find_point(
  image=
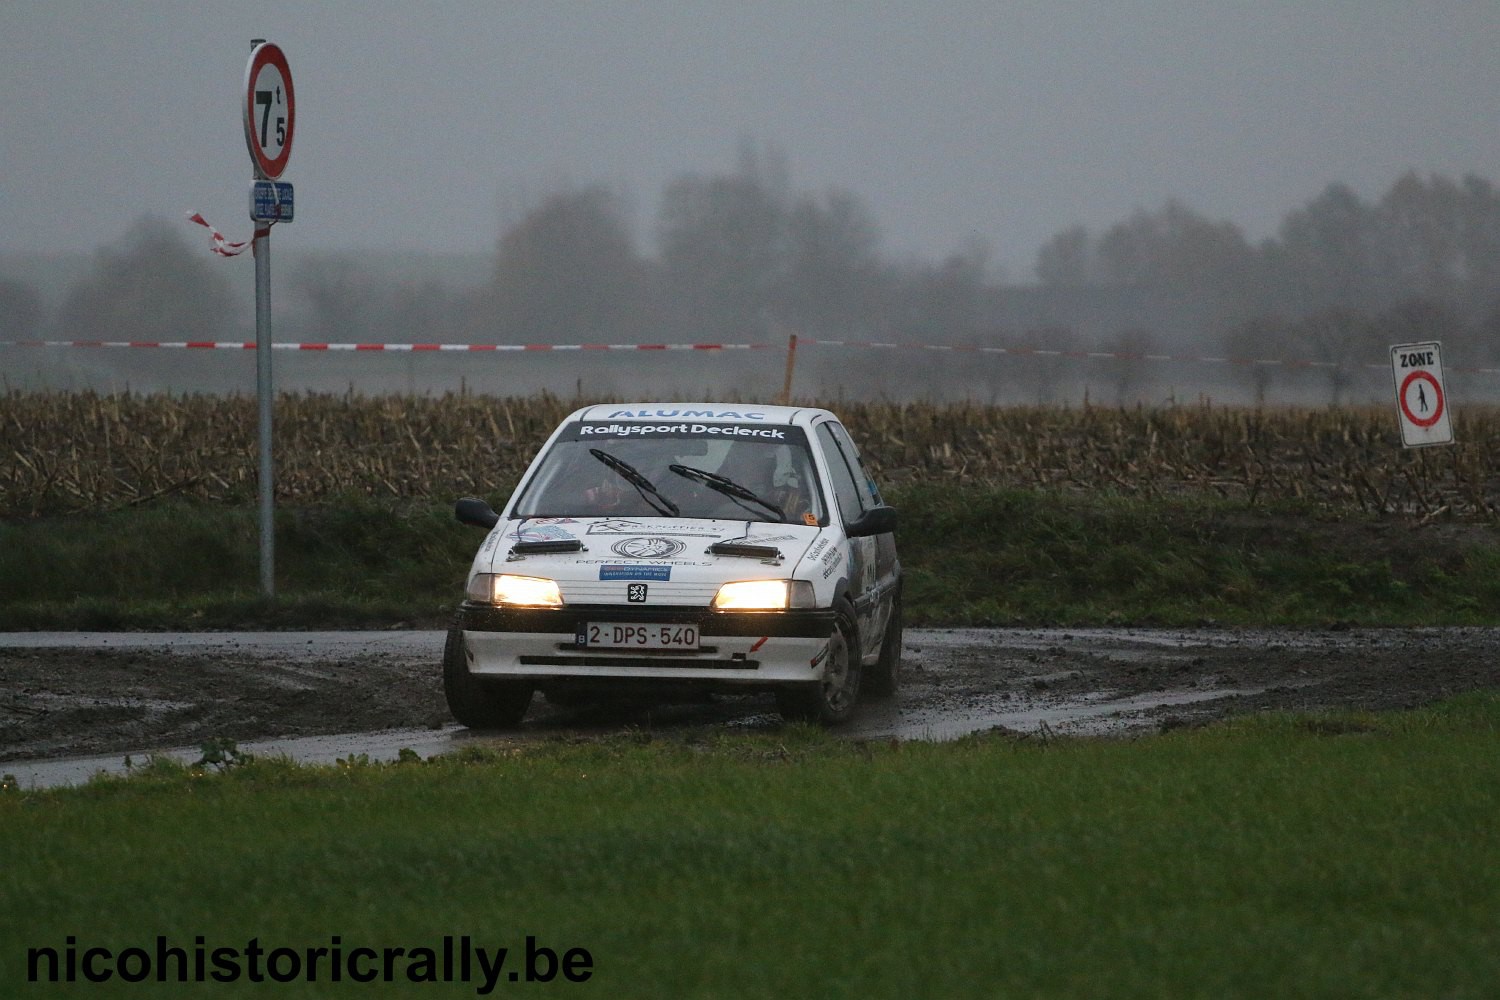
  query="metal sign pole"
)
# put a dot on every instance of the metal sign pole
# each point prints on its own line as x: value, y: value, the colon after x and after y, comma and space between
x: 261, y: 246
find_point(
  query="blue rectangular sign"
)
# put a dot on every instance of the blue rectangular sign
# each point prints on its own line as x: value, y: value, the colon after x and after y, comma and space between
x: 271, y: 201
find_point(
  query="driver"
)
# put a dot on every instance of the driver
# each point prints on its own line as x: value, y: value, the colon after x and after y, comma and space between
x: 754, y: 467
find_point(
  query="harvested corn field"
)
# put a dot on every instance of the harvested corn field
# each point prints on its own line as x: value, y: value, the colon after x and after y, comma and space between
x: 62, y: 452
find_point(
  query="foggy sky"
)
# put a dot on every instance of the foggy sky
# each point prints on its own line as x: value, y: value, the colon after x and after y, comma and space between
x: 427, y: 126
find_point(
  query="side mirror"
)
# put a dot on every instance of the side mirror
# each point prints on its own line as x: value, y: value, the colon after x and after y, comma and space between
x: 876, y: 521
x: 473, y: 511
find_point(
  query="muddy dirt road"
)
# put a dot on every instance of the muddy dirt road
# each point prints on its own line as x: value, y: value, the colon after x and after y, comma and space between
x: 70, y: 694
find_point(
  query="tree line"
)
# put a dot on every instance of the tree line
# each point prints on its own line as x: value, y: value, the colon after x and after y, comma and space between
x: 742, y: 255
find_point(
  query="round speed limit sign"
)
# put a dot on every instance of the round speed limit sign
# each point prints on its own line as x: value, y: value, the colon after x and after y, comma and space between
x: 270, y: 110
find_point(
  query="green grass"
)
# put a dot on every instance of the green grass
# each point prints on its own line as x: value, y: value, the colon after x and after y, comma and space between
x: 1019, y: 557
x: 1348, y: 855
x: 184, y: 564
x: 974, y: 556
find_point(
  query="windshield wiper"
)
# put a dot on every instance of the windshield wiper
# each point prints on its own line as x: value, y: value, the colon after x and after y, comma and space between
x: 643, y: 486
x: 728, y: 487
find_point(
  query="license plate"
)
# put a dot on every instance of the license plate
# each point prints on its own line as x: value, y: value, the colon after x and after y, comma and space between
x: 639, y: 635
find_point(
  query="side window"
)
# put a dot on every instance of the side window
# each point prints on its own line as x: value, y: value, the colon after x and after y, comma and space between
x: 869, y: 493
x: 846, y: 488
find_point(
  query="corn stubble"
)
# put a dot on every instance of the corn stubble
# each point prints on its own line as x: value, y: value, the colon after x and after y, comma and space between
x: 74, y: 452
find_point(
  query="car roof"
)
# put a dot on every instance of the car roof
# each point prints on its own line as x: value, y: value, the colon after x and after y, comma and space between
x: 701, y: 412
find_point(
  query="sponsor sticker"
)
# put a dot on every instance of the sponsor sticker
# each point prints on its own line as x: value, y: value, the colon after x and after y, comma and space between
x: 626, y: 572
x: 618, y: 527
x: 650, y: 547
x: 702, y: 430
x: 489, y: 543
x: 701, y: 414
x: 831, y: 561
x: 649, y: 562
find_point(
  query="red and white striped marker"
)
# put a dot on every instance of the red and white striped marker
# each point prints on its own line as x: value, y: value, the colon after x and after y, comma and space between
x: 1023, y: 352
x: 222, y: 246
x: 249, y: 345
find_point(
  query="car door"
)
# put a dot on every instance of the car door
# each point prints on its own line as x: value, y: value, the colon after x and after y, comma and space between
x: 874, y: 570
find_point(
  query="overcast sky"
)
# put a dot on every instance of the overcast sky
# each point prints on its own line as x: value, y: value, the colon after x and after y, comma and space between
x: 424, y: 125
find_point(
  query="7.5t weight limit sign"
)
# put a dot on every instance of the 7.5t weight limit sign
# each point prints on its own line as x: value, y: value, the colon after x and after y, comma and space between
x: 1421, y: 402
x: 270, y: 110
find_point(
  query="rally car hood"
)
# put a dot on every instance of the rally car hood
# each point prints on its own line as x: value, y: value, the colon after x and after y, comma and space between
x: 645, y: 548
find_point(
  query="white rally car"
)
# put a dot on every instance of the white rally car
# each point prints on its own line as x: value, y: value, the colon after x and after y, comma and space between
x: 662, y: 548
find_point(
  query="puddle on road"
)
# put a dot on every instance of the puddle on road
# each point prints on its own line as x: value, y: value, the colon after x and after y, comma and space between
x: 1089, y: 716
x: 379, y: 746
x: 303, y: 644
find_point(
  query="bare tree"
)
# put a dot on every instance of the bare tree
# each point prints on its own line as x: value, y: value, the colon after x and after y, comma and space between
x: 723, y: 244
x: 831, y: 276
x: 1176, y: 248
x: 1128, y: 368
x: 148, y: 286
x: 570, y: 270
x: 1252, y: 345
x: 20, y: 310
x: 1068, y: 259
x: 1325, y: 256
x: 1342, y: 342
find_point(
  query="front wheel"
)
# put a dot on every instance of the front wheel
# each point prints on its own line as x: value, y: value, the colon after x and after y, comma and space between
x: 475, y: 703
x: 831, y: 700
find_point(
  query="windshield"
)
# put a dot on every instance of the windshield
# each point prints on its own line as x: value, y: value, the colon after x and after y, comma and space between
x: 600, y: 469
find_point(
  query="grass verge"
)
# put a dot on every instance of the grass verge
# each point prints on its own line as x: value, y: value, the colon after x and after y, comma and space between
x: 1027, y: 557
x: 974, y: 556
x: 1337, y: 855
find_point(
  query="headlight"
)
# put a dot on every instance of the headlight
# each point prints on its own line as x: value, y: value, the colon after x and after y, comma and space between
x: 522, y: 591
x: 764, y: 595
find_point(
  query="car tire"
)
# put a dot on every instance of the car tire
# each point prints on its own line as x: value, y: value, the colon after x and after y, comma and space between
x: 480, y: 704
x: 885, y: 678
x: 831, y: 701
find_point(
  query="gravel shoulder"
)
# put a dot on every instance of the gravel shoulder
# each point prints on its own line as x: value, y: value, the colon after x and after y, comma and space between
x: 65, y: 694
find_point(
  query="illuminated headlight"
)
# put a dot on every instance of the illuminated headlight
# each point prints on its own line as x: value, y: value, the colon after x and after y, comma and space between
x: 764, y: 595
x: 523, y: 591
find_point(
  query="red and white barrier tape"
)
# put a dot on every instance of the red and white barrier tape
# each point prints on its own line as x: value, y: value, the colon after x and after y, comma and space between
x: 249, y: 345
x: 1039, y: 352
x: 1022, y: 352
x: 223, y: 247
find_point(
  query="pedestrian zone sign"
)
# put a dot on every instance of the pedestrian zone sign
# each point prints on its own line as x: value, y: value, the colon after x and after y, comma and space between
x: 1421, y: 401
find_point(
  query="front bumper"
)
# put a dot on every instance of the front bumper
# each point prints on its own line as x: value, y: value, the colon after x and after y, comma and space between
x: 736, y: 649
